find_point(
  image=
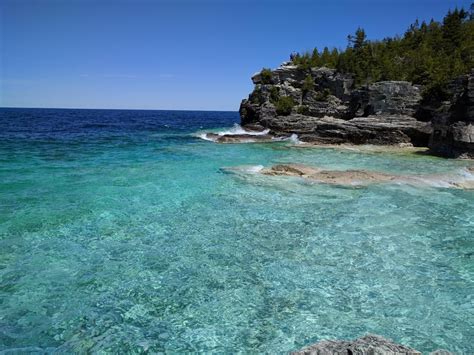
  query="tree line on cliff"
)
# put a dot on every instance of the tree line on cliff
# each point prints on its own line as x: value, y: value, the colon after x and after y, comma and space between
x: 428, y: 54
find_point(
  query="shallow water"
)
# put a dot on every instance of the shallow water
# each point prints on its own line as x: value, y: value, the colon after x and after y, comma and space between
x: 120, y: 232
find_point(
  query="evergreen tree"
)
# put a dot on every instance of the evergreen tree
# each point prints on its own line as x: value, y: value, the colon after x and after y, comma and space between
x: 315, y: 58
x: 326, y: 57
x: 358, y: 40
x: 428, y: 53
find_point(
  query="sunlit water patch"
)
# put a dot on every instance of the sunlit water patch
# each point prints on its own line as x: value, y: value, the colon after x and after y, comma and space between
x: 121, y: 232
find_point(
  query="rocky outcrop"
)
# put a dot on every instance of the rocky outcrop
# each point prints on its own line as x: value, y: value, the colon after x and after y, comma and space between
x: 315, y: 92
x: 361, y: 130
x: 453, y: 120
x: 326, y: 107
x: 367, y: 345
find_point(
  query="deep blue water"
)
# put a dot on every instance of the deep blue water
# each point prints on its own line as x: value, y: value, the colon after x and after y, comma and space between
x: 120, y: 232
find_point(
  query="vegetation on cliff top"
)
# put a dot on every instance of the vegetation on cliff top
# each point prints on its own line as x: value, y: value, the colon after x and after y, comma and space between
x: 429, y: 54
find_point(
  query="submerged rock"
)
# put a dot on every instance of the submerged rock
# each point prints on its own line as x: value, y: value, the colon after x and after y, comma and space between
x: 463, y: 179
x: 333, y: 177
x: 367, y: 345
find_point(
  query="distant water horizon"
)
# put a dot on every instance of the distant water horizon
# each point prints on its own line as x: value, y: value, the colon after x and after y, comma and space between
x: 113, y: 109
x: 123, y: 231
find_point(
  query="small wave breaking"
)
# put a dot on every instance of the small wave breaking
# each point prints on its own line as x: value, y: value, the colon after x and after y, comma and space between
x: 246, y: 169
x: 294, y: 139
x: 239, y: 134
x: 236, y: 130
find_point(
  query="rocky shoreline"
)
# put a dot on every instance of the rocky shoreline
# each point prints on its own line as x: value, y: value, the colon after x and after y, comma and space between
x: 323, y: 106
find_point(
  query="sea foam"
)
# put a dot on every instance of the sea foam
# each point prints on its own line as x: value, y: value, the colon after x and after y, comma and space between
x: 236, y: 129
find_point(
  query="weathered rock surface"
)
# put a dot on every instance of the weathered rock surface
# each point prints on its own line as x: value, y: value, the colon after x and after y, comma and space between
x: 330, y: 95
x: 385, y: 129
x: 453, y: 121
x: 387, y: 97
x: 328, y: 108
x: 367, y: 345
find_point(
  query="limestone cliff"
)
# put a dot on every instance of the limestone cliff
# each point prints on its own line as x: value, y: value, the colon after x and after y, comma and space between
x: 453, y: 120
x: 322, y: 105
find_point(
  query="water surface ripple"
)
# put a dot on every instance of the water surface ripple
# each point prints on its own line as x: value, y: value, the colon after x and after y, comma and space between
x: 119, y: 232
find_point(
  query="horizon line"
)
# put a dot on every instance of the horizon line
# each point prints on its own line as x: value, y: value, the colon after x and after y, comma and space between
x: 122, y: 109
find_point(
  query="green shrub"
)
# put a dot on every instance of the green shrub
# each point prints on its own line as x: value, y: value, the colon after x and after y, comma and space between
x: 305, y: 65
x: 302, y: 61
x: 323, y: 95
x: 303, y: 110
x: 256, y: 97
x: 308, y: 84
x: 436, y: 92
x: 284, y: 105
x: 274, y: 94
x: 266, y: 76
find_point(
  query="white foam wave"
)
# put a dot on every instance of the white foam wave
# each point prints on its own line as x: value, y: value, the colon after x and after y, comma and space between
x: 254, y: 169
x: 245, y: 169
x: 294, y: 139
x: 237, y: 129
x: 205, y: 137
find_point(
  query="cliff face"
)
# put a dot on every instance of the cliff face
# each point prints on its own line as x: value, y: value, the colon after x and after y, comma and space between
x: 322, y: 105
x: 453, y: 120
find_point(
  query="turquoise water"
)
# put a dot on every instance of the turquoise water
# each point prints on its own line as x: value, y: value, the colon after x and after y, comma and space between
x: 120, y: 232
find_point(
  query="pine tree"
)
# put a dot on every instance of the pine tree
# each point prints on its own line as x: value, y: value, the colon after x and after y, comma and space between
x: 430, y: 54
x: 358, y: 40
x: 326, y: 57
x: 315, y: 58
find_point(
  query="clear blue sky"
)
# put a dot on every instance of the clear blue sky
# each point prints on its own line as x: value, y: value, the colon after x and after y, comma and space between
x: 173, y: 54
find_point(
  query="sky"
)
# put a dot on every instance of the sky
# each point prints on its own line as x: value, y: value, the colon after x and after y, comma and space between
x: 181, y: 54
